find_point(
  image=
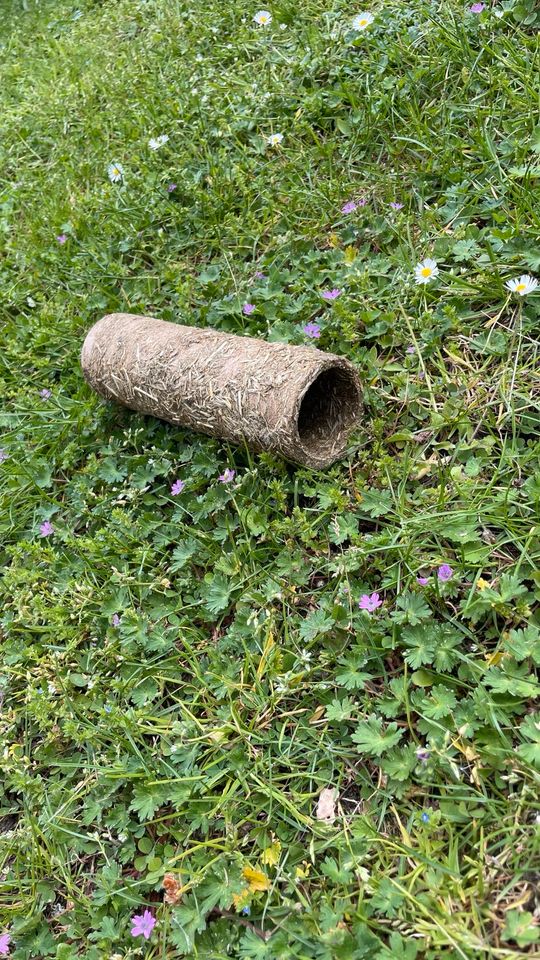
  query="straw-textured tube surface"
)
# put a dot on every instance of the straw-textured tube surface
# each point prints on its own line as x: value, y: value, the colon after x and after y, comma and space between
x: 295, y: 401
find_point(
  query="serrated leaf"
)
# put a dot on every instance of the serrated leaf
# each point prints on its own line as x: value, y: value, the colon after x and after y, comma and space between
x: 217, y: 594
x: 375, y: 740
x: 146, y: 800
x: 315, y: 624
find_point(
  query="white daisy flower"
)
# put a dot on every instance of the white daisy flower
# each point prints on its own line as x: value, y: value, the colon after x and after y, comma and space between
x: 522, y: 286
x: 156, y: 142
x: 274, y: 139
x: 426, y: 271
x: 116, y: 172
x: 362, y: 20
x: 263, y: 18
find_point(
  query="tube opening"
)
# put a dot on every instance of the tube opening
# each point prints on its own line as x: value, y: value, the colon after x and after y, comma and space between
x: 328, y: 411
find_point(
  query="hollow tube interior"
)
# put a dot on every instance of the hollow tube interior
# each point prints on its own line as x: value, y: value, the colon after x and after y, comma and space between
x: 328, y: 410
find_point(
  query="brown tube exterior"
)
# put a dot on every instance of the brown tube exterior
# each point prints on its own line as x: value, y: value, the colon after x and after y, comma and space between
x: 295, y: 401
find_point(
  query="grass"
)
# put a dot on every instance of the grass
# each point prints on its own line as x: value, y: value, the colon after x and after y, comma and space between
x: 182, y: 676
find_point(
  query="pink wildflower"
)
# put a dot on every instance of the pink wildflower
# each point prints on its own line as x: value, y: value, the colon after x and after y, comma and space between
x: 445, y: 573
x: 422, y: 581
x: 396, y: 206
x: 61, y: 238
x: 143, y: 924
x: 171, y: 187
x: 177, y: 487
x: 259, y: 275
x: 369, y: 602
x: 331, y: 294
x: 248, y: 308
x: 3, y: 455
x: 115, y: 620
x: 46, y: 529
x: 5, y: 940
x: 477, y: 7
x: 227, y: 476
x: 349, y: 207
x: 312, y: 330
x: 45, y: 394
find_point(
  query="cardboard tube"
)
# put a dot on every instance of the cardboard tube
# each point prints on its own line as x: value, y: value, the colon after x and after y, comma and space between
x: 294, y: 401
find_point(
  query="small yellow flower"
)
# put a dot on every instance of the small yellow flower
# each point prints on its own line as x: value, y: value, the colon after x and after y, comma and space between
x: 241, y: 899
x: 482, y: 584
x: 270, y: 855
x: 258, y: 881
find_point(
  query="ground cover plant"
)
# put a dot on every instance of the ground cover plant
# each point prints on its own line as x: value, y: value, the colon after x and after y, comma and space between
x: 249, y: 710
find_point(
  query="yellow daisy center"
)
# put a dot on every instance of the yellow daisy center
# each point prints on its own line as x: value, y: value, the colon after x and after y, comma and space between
x: 263, y: 19
x: 426, y: 271
x: 521, y: 286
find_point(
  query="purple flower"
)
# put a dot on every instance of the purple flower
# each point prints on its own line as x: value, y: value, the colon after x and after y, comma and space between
x: 477, y: 7
x: 143, y: 924
x: 361, y: 202
x: 45, y: 394
x: 5, y: 940
x: 410, y: 349
x: 331, y: 294
x: 248, y: 308
x: 171, y: 187
x: 312, y: 330
x: 396, y: 206
x: 259, y: 275
x: 115, y: 620
x: 3, y: 455
x: 445, y: 573
x: 369, y: 602
x: 177, y: 487
x: 227, y: 476
x: 46, y: 529
x: 423, y: 755
x: 61, y: 238
x: 349, y: 207
x: 422, y: 581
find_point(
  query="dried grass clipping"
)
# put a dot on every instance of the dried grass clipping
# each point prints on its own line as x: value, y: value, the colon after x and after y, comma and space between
x: 295, y: 401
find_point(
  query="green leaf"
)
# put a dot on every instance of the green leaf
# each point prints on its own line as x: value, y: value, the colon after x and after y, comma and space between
x: 440, y: 703
x: 410, y: 608
x: 373, y: 739
x: 110, y: 471
x: 530, y: 728
x: 521, y: 927
x: 376, y: 503
x: 217, y: 593
x: 146, y: 800
x: 340, y: 710
x: 400, y: 762
x: 315, y: 624
x: 524, y: 643
x: 420, y: 643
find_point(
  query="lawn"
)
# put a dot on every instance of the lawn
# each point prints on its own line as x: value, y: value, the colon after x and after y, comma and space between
x: 266, y: 712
